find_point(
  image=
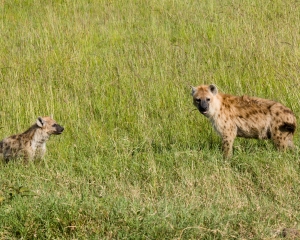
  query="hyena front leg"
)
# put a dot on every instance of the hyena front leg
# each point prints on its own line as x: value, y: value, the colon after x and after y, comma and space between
x: 40, y: 152
x: 227, y: 143
x: 27, y: 155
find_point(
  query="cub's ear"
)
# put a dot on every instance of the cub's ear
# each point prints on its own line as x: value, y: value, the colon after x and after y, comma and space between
x: 40, y: 122
x: 213, y: 89
x: 193, y: 90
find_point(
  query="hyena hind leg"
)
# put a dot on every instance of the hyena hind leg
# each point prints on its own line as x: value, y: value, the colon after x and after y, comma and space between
x: 283, y: 137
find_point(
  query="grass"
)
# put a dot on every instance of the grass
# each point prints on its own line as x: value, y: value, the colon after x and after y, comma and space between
x: 135, y: 161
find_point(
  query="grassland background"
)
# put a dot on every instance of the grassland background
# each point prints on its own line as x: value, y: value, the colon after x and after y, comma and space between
x: 135, y: 161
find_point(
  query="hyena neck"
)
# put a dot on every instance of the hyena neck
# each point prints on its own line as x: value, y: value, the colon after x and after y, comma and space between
x: 215, y: 108
x: 37, y: 135
x: 40, y: 136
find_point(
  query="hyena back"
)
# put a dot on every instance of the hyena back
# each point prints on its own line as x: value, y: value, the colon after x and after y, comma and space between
x: 32, y: 143
x: 243, y: 116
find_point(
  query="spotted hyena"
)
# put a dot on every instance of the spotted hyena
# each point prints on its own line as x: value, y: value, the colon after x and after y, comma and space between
x: 31, y: 144
x: 248, y: 117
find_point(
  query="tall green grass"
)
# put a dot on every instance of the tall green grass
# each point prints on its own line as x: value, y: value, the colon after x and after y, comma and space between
x: 136, y: 161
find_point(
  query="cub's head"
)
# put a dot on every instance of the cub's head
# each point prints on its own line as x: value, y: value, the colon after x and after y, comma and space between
x: 49, y: 126
x: 203, y: 97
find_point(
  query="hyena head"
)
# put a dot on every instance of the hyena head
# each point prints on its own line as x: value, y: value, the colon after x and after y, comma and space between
x: 203, y: 98
x: 49, y: 126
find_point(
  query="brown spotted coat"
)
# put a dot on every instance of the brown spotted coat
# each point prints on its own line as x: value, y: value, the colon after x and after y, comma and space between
x: 32, y: 143
x: 243, y: 116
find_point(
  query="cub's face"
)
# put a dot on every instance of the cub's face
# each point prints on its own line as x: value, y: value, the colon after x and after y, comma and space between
x: 203, y: 97
x: 48, y: 125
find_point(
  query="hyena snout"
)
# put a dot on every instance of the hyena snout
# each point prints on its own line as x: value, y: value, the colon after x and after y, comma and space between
x: 58, y: 129
x: 49, y: 125
x: 202, y: 105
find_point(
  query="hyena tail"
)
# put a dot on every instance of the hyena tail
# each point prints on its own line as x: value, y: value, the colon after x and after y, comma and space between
x: 1, y: 147
x: 288, y: 127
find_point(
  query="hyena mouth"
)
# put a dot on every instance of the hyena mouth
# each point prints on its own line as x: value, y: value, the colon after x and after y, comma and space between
x: 59, y: 130
x: 203, y: 110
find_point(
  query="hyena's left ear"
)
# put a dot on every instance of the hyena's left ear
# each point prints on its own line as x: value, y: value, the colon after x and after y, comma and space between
x: 213, y: 89
x: 40, y: 122
x: 193, y: 90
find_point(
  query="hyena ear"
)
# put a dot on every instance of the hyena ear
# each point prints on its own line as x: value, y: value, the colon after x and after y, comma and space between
x: 213, y: 89
x: 40, y: 122
x: 193, y: 90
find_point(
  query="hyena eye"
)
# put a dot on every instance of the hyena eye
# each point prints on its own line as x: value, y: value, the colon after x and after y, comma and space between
x: 198, y: 100
x: 207, y: 99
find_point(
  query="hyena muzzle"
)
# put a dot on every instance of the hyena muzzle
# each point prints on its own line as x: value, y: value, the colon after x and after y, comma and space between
x: 30, y: 144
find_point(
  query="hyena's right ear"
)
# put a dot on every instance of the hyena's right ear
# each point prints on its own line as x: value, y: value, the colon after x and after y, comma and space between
x: 213, y: 89
x: 40, y: 122
x: 193, y: 90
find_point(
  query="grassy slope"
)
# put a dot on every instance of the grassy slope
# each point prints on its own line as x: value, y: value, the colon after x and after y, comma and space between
x: 135, y: 160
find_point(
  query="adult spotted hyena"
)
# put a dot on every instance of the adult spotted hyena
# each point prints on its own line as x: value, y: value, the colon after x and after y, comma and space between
x: 248, y: 117
x: 32, y: 143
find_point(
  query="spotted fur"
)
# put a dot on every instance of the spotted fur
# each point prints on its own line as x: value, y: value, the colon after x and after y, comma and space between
x: 243, y: 116
x: 31, y: 144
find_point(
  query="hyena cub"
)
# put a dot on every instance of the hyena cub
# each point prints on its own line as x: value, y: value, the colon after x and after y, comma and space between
x: 248, y: 117
x: 31, y: 144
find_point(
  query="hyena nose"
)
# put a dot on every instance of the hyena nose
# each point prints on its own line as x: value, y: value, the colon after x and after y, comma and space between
x: 60, y: 129
x: 204, y: 105
x: 202, y: 108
